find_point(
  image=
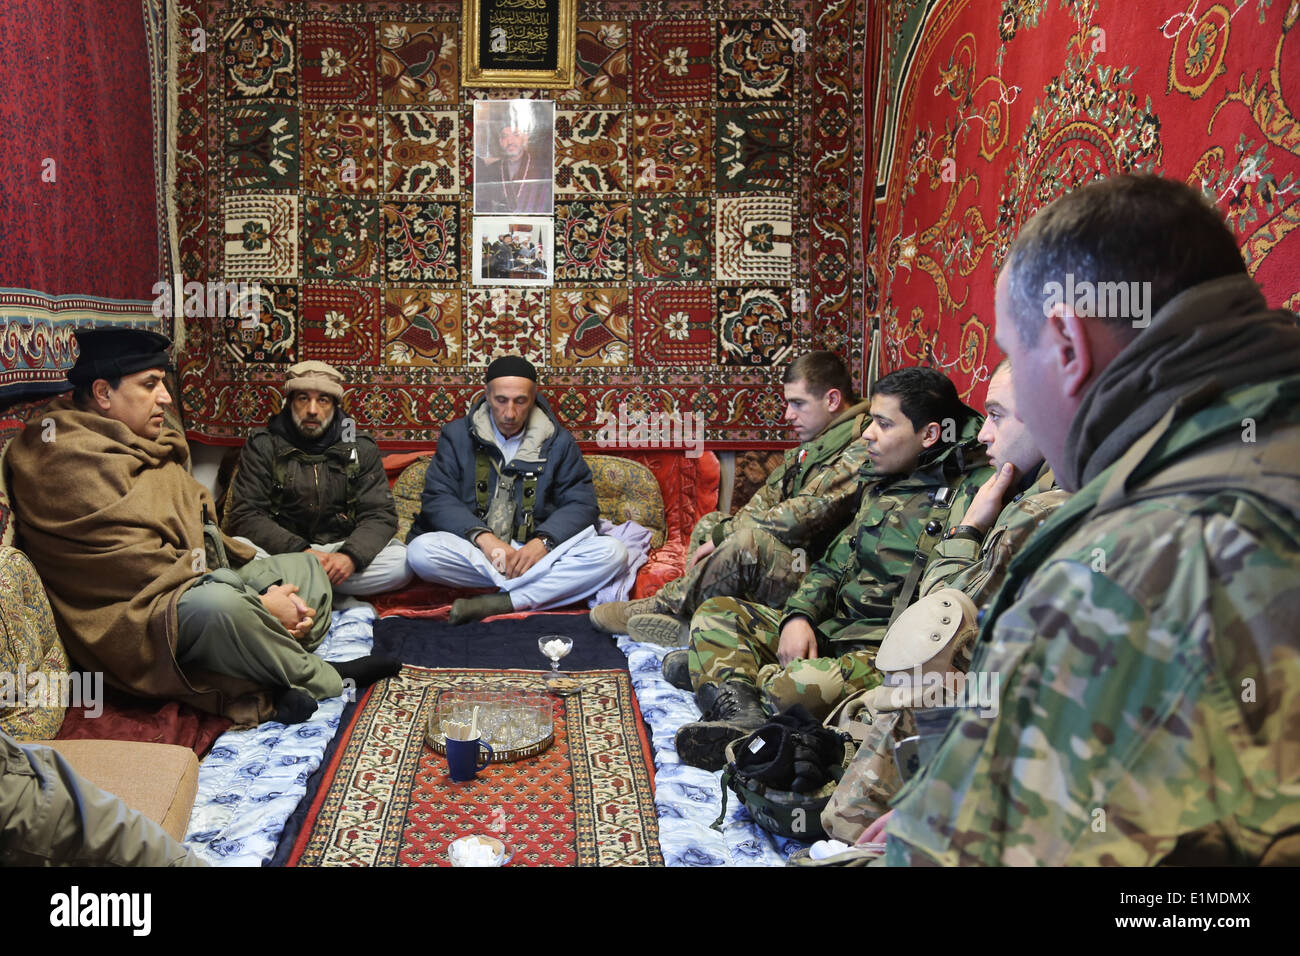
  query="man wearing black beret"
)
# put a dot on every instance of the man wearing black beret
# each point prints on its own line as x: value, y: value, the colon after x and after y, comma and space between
x: 142, y: 584
x: 509, y: 503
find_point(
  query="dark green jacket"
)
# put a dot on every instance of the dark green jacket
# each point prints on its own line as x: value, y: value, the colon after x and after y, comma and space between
x: 849, y: 594
x: 313, y: 507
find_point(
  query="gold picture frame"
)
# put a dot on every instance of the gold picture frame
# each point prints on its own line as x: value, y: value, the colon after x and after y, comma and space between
x: 502, y: 69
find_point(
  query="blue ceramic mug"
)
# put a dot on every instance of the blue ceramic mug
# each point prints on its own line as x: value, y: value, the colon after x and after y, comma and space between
x: 463, y: 758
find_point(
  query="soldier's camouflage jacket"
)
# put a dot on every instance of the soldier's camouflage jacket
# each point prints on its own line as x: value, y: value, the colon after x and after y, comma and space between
x: 1146, y: 647
x: 849, y: 594
x: 811, y: 497
x: 980, y: 568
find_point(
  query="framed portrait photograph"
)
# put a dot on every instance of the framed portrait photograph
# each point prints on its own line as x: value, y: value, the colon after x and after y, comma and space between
x: 514, y: 157
x: 513, y: 250
x: 523, y: 44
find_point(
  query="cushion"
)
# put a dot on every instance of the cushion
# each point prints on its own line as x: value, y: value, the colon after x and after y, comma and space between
x: 628, y: 491
x: 690, y: 487
x: 752, y: 470
x: 159, y: 780
x: 12, y: 420
x: 625, y: 490
x: 29, y: 645
x: 406, y: 494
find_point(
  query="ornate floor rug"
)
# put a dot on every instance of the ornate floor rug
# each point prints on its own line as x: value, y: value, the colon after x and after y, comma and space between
x: 586, y: 801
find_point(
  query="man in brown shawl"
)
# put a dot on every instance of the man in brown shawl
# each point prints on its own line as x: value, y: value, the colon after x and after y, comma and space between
x: 143, y: 586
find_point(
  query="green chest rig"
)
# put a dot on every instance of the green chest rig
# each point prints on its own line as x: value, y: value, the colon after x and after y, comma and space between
x: 484, y: 464
x: 345, y: 451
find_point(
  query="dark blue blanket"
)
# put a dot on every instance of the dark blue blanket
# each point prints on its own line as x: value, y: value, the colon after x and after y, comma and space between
x: 497, y: 644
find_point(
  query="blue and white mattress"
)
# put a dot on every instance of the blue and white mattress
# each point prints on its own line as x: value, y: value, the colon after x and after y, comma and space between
x: 687, y: 799
x: 252, y: 780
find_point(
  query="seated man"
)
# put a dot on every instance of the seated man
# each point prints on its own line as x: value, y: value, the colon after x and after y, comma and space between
x: 508, y: 502
x: 747, y: 661
x: 310, y: 482
x: 1146, y: 636
x: 803, y: 505
x: 974, y: 555
x: 138, y: 577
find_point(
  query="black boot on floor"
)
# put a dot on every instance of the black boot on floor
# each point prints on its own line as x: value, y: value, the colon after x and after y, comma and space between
x: 364, y: 671
x: 736, y: 711
x: 293, y: 706
x: 677, y: 669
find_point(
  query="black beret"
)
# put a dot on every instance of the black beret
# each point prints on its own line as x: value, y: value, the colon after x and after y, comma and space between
x: 114, y: 352
x: 510, y: 365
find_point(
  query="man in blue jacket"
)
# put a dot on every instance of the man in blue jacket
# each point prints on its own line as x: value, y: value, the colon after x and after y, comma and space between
x: 509, y: 503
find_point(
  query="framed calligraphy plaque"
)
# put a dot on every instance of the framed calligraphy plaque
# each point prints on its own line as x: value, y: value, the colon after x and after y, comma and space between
x: 524, y: 44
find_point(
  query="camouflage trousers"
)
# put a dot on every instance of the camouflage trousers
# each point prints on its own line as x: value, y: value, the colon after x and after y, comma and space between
x: 733, y: 640
x: 749, y: 564
x: 703, y: 529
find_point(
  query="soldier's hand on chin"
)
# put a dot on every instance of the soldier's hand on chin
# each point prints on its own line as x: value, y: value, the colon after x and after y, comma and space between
x: 517, y: 562
x: 702, y: 552
x: 989, y: 500
x: 798, y: 642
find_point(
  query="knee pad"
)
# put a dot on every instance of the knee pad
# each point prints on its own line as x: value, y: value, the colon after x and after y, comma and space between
x: 933, y: 633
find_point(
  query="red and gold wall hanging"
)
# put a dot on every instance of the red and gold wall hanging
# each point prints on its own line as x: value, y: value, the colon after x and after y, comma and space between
x: 708, y: 184
x: 987, y: 112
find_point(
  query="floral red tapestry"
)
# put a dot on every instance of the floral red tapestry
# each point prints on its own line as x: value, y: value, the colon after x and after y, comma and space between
x: 706, y: 200
x: 983, y: 119
x: 78, y: 191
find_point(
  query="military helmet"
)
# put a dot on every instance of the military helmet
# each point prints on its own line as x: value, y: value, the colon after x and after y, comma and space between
x: 786, y: 813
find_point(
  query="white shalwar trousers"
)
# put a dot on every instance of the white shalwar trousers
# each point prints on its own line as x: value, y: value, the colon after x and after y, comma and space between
x: 574, y: 570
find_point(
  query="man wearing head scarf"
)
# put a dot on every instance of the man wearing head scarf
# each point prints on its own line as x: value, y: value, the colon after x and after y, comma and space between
x: 309, y: 481
x: 509, y: 503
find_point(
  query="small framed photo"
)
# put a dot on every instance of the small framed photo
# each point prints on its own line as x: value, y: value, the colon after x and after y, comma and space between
x: 514, y: 157
x: 514, y: 250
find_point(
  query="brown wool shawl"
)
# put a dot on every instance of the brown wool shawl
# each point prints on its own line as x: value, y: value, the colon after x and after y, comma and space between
x: 114, y: 522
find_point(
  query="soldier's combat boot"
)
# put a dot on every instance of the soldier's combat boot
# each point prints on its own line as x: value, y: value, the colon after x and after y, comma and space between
x: 662, y: 629
x: 736, y: 712
x: 612, y: 617
x: 677, y: 669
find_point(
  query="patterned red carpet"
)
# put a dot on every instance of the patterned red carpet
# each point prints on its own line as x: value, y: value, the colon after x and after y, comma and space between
x: 587, y: 801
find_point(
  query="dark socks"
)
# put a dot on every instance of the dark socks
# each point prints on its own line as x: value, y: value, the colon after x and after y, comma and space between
x: 293, y: 706
x: 464, y: 610
x: 364, y: 671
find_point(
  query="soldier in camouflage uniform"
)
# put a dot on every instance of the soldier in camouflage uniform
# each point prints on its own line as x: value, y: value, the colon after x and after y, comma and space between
x: 763, y: 551
x: 973, y: 557
x: 747, y: 660
x: 1145, y: 637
